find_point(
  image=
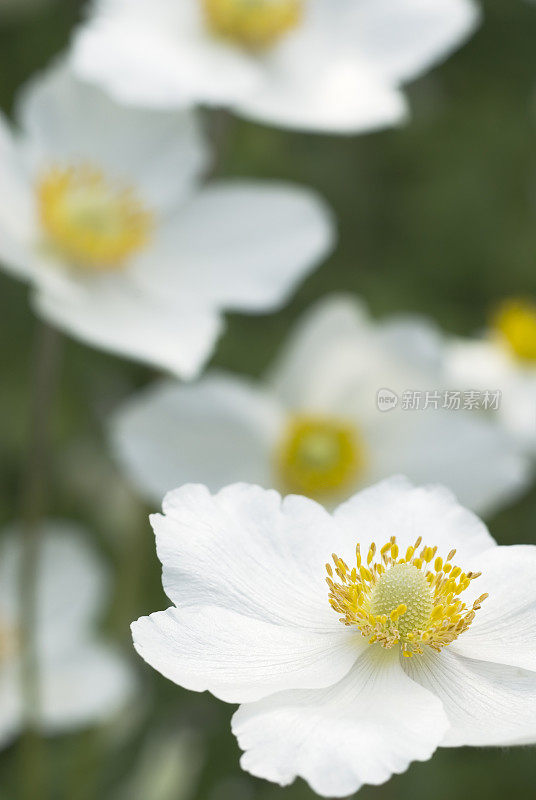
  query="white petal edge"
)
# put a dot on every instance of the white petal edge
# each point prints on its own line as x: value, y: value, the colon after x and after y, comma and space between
x: 115, y: 316
x: 396, y: 507
x: 239, y: 659
x: 504, y: 630
x: 240, y: 245
x: 248, y: 550
x: 371, y: 725
x: 486, y: 703
x: 217, y: 431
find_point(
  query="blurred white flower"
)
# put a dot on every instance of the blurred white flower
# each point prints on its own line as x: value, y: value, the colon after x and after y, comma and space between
x: 503, y: 359
x: 313, y: 426
x: 83, y: 680
x: 101, y: 209
x: 348, y: 683
x: 325, y: 65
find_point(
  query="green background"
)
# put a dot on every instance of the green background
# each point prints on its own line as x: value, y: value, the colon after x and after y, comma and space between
x: 436, y: 218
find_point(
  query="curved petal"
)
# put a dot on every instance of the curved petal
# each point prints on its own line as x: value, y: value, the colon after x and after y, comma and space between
x: 182, y: 63
x: 401, y: 39
x: 218, y: 431
x: 372, y: 724
x: 339, y: 95
x: 247, y: 550
x: 115, y: 315
x: 241, y: 245
x: 240, y: 659
x: 68, y: 569
x: 396, y: 507
x: 474, y: 458
x: 486, y: 704
x: 319, y: 335
x: 83, y: 686
x: 161, y: 154
x: 504, y: 630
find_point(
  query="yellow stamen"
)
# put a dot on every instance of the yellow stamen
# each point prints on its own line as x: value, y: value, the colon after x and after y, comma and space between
x: 403, y: 603
x: 89, y: 220
x: 515, y: 322
x: 319, y: 456
x: 254, y: 24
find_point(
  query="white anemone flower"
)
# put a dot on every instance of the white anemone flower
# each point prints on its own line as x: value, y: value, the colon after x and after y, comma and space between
x: 321, y: 65
x: 503, y: 359
x: 102, y: 210
x: 423, y: 635
x: 313, y: 426
x: 82, y: 679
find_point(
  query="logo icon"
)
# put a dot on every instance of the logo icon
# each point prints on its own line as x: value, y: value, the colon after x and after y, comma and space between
x: 386, y: 399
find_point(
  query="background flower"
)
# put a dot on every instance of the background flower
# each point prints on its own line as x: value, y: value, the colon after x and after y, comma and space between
x: 504, y: 358
x: 82, y: 679
x: 107, y: 218
x: 308, y: 64
x: 313, y: 425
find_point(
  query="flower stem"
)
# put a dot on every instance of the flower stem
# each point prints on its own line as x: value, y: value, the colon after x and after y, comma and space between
x: 44, y: 378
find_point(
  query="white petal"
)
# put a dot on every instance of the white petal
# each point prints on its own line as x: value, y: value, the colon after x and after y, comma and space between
x: 182, y: 63
x: 241, y: 245
x: 68, y: 569
x: 319, y: 336
x: 372, y: 724
x: 115, y: 315
x: 486, y: 704
x: 17, y: 223
x: 218, y: 431
x: 395, y: 507
x: 240, y: 659
x: 82, y: 686
x: 160, y: 154
x: 401, y: 39
x: 246, y: 550
x: 474, y: 458
x: 504, y: 630
x: 338, y: 95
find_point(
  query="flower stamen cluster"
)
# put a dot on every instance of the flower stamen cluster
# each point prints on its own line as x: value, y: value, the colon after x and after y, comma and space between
x: 255, y: 24
x: 89, y: 219
x: 515, y: 322
x: 411, y: 601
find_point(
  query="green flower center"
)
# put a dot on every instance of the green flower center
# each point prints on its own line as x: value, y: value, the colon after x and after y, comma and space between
x: 406, y: 585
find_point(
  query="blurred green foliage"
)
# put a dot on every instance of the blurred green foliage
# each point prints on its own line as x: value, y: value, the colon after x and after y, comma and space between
x: 435, y: 218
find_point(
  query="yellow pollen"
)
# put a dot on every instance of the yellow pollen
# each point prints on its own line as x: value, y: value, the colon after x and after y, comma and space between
x: 515, y: 322
x: 254, y: 24
x: 91, y: 221
x: 403, y: 601
x: 319, y: 456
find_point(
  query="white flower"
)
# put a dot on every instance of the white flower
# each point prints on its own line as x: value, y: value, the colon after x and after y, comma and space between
x: 82, y: 680
x: 347, y: 683
x: 101, y: 209
x: 504, y: 360
x: 325, y: 65
x: 313, y: 426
